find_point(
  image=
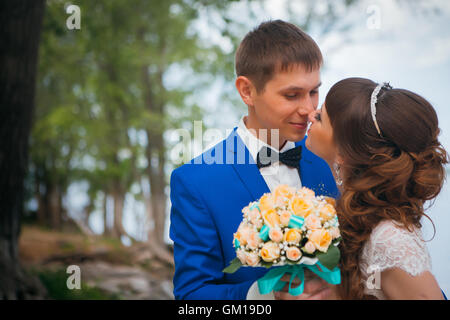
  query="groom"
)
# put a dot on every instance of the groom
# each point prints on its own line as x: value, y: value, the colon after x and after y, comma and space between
x: 278, y: 77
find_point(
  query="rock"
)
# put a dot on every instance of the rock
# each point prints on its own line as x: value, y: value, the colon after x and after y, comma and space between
x: 126, y: 281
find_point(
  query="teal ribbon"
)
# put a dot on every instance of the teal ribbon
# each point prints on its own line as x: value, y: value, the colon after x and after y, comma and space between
x: 237, y: 244
x: 264, y: 233
x: 255, y: 205
x: 272, y: 279
x: 296, y: 222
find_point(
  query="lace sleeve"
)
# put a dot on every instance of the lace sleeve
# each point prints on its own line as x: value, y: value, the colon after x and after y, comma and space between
x: 391, y: 246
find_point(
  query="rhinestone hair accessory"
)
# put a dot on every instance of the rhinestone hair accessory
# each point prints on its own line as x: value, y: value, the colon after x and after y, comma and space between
x: 373, y: 101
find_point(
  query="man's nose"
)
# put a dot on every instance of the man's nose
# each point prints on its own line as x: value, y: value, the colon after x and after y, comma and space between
x: 306, y: 106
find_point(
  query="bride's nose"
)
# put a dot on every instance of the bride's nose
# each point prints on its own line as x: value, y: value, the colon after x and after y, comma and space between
x: 312, y: 116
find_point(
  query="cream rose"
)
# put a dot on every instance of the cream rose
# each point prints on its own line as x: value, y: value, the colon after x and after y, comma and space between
x: 253, y: 240
x: 252, y: 259
x: 246, y: 211
x: 313, y: 222
x: 285, y: 216
x: 321, y: 239
x: 306, y: 193
x: 309, y: 247
x: 243, y: 233
x: 254, y: 214
x: 293, y: 253
x: 276, y: 235
x: 335, y: 233
x: 242, y: 256
x: 270, y: 251
x: 255, y: 218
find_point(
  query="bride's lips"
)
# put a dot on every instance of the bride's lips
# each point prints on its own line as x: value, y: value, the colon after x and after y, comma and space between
x: 299, y: 125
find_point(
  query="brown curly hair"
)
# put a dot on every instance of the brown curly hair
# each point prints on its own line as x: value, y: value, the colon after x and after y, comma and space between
x: 384, y: 177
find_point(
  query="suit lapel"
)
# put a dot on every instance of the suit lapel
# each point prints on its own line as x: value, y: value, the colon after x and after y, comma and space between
x: 239, y: 157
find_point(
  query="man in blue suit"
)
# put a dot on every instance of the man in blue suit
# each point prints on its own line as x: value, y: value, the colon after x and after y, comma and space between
x: 278, y: 76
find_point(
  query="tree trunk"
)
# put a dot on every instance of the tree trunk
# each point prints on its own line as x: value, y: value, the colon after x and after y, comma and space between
x: 55, y: 208
x: 42, y: 211
x: 20, y: 25
x: 156, y: 206
x: 119, y: 199
x: 154, y: 244
x: 106, y: 229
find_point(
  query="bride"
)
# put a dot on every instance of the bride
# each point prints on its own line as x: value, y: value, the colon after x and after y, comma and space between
x: 382, y: 146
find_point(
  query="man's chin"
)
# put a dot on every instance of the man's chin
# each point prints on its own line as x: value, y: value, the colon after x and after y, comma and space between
x: 296, y: 137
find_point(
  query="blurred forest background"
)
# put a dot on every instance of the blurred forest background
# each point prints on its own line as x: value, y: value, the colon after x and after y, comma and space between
x: 108, y: 98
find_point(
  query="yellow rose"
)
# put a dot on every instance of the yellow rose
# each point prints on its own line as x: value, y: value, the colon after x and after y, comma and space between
x: 292, y: 236
x: 327, y: 212
x: 271, y: 218
x: 266, y: 202
x: 321, y: 239
x: 331, y: 201
x: 270, y: 251
x: 283, y: 192
x: 302, y: 207
x: 293, y: 253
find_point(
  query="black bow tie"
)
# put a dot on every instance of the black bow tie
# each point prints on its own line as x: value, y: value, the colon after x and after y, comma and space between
x: 291, y: 158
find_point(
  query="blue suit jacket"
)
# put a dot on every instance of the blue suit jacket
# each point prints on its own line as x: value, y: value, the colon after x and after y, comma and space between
x: 207, y: 197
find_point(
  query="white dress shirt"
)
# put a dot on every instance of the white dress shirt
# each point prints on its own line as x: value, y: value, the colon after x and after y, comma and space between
x: 277, y: 173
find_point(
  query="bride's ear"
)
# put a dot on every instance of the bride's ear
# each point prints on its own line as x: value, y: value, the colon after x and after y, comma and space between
x: 339, y: 160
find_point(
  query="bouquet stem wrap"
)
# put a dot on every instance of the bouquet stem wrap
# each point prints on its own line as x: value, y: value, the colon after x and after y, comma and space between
x: 272, y: 279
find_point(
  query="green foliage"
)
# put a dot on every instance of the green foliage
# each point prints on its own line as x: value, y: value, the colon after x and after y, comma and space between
x: 329, y: 259
x: 99, y: 85
x: 55, y: 283
x: 235, y: 264
x: 107, y: 94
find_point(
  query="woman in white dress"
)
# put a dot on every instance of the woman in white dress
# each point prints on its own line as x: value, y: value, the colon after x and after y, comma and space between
x: 382, y: 146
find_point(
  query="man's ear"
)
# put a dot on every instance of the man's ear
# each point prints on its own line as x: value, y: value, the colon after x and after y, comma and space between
x: 246, y: 89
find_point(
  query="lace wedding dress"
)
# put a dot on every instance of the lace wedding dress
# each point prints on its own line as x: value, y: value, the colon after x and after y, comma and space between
x: 391, y: 246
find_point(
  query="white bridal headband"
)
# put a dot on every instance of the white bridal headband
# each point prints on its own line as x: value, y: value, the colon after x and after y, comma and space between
x: 373, y: 101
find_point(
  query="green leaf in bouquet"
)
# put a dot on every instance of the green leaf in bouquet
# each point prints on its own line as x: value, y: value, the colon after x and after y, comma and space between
x: 329, y: 259
x: 266, y: 265
x: 235, y: 264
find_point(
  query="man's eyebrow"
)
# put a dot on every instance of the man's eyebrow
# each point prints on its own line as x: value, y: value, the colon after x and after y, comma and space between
x: 294, y: 88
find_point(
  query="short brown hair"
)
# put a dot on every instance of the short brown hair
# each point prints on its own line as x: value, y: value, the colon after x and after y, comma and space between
x: 275, y: 46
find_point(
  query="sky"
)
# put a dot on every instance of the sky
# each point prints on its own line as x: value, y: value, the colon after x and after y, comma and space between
x: 388, y: 41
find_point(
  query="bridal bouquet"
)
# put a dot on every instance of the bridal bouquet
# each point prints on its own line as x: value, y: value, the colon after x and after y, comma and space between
x: 291, y: 230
